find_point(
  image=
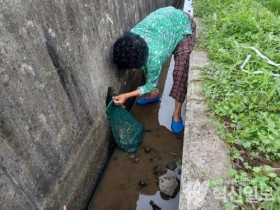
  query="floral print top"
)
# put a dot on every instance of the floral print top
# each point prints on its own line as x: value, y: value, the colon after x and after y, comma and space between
x: 162, y: 30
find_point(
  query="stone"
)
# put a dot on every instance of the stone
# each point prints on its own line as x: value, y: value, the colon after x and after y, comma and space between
x: 147, y: 150
x: 168, y: 184
x: 142, y: 184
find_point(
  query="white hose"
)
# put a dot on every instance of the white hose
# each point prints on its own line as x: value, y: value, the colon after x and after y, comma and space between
x: 264, y: 58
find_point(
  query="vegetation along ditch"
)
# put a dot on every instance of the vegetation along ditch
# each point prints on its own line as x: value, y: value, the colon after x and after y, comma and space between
x: 242, y: 87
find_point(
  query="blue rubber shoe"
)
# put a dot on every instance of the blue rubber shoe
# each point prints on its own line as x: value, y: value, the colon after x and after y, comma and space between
x: 144, y: 101
x: 177, y: 127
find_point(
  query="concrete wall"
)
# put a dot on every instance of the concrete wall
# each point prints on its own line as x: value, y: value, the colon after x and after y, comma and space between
x: 55, y: 69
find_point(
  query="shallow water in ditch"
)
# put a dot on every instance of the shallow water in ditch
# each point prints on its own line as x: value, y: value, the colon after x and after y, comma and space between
x: 144, y: 201
x: 131, y: 179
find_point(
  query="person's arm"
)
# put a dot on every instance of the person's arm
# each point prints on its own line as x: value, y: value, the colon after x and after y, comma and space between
x: 151, y: 83
x: 120, y: 99
x: 152, y: 77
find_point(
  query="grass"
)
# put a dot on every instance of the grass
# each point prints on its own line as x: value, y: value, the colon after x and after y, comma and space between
x: 245, y: 102
x: 273, y: 5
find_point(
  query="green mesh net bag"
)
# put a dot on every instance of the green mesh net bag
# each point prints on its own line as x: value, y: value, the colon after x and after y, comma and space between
x: 127, y: 131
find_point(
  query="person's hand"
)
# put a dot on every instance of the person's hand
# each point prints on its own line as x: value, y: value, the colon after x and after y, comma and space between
x: 154, y: 93
x: 120, y: 99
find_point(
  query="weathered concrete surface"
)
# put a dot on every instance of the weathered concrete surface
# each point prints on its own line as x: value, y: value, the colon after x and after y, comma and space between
x: 205, y: 156
x: 55, y: 69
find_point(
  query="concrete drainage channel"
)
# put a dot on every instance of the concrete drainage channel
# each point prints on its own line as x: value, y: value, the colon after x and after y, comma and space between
x: 168, y: 171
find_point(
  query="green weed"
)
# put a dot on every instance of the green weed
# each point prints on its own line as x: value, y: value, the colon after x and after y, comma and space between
x: 273, y: 5
x: 245, y: 101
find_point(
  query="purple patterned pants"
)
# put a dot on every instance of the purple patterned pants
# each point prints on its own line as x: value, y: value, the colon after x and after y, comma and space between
x: 182, y: 57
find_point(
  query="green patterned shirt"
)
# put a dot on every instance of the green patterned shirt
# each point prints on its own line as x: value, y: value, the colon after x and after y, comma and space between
x: 162, y: 30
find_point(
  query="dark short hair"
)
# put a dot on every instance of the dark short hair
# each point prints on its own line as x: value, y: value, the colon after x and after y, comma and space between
x: 130, y: 51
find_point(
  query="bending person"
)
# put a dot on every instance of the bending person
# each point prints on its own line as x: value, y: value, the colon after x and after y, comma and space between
x: 147, y: 46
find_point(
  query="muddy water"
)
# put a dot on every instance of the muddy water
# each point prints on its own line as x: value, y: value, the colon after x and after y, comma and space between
x: 130, y: 181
